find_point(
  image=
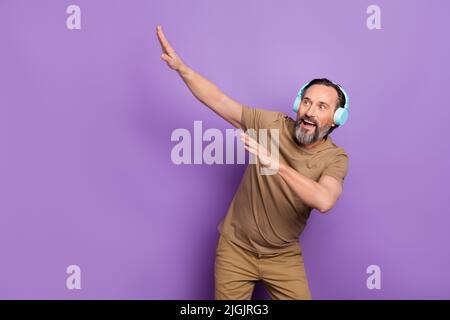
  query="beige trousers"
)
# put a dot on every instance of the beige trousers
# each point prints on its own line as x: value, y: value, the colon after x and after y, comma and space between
x: 237, y: 270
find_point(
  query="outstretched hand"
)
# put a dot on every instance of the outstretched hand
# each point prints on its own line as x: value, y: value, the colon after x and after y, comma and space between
x: 266, y: 159
x: 168, y: 55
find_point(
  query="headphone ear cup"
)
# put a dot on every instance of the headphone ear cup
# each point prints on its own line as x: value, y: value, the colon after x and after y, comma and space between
x: 296, y: 104
x: 340, y: 116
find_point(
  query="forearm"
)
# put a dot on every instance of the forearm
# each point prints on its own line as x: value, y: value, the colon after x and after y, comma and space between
x: 210, y: 95
x: 203, y: 89
x: 309, y: 191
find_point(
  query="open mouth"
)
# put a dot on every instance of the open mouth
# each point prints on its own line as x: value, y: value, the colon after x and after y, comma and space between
x: 308, y: 124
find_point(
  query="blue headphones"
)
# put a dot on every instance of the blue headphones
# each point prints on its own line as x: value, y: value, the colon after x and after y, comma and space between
x: 341, y: 113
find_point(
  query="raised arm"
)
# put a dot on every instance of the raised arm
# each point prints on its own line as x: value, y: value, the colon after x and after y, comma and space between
x: 203, y: 89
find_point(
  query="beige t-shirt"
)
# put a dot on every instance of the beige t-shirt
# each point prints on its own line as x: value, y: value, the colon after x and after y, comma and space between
x: 265, y: 216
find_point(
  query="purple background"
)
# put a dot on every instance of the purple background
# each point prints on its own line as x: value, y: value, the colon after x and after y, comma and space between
x: 86, y: 117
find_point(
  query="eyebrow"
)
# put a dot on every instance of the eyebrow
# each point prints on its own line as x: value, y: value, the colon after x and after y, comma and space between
x: 320, y: 102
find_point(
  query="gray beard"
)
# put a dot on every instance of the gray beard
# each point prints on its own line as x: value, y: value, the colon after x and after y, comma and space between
x: 305, y: 138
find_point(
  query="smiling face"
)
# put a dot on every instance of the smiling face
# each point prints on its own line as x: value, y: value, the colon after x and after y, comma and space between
x: 315, y: 115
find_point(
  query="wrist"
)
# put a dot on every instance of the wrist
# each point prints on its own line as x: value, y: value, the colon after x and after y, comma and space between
x: 183, y: 70
x: 281, y: 168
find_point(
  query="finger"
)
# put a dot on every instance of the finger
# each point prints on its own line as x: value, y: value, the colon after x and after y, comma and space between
x: 252, y: 150
x: 244, y: 135
x: 163, y: 41
x: 250, y: 144
x: 166, y: 58
x: 255, y: 148
x: 249, y: 149
x: 251, y: 141
x: 246, y: 138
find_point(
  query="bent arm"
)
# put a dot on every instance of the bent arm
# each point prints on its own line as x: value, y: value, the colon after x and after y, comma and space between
x: 321, y: 195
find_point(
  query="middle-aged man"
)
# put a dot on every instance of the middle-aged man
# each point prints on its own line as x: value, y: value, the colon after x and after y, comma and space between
x: 259, y: 237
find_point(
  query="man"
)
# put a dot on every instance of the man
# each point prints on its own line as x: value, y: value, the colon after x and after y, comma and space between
x: 259, y: 235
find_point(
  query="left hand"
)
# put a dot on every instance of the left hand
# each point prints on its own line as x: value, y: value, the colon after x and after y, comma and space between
x: 263, y: 157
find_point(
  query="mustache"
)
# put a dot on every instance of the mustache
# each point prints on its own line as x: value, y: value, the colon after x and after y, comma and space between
x: 305, y: 117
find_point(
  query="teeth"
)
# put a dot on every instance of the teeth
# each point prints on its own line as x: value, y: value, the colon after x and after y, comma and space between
x: 308, y: 122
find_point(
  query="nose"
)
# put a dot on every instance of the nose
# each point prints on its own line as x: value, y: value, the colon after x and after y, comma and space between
x: 311, y: 111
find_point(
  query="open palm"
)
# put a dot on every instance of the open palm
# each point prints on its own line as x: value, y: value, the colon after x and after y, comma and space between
x: 168, y: 55
x: 264, y: 157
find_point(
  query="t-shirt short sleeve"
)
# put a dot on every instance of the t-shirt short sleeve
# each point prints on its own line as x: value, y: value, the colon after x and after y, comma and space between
x: 338, y: 167
x: 254, y: 118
